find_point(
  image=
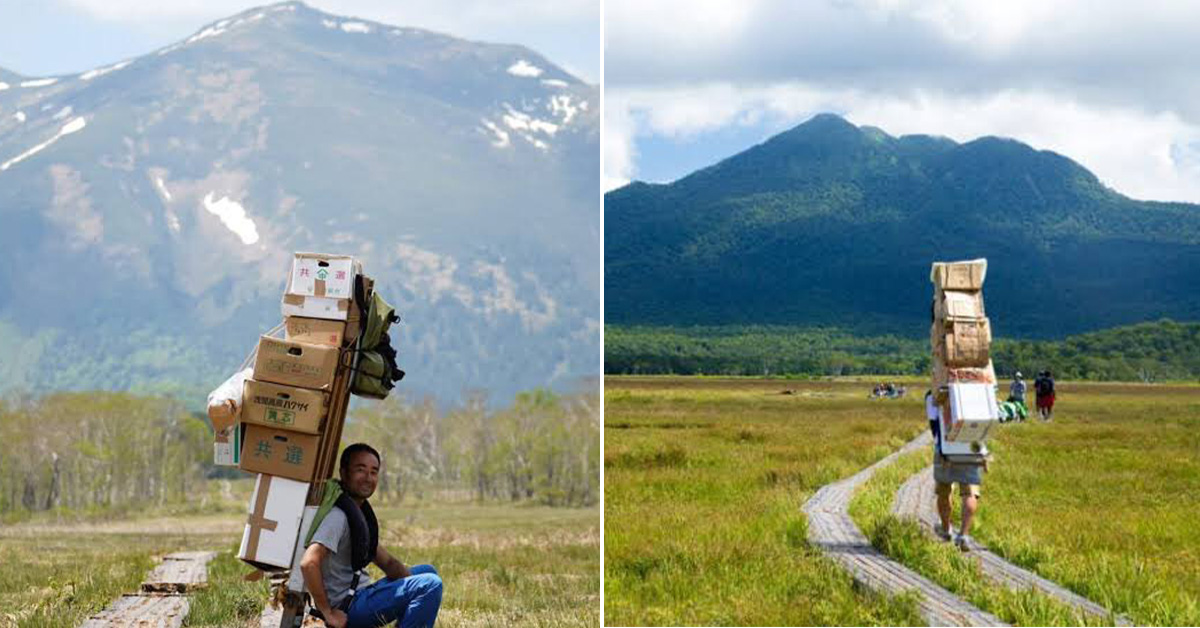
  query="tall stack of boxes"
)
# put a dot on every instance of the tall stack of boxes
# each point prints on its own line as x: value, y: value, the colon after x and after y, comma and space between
x: 285, y: 411
x: 964, y: 380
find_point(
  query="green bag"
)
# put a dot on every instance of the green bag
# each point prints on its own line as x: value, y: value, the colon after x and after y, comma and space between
x: 377, y: 372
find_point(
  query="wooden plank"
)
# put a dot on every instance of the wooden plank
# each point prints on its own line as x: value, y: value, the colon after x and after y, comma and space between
x: 182, y: 572
x: 142, y: 611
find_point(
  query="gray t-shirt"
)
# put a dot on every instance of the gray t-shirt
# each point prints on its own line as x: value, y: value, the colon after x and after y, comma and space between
x: 337, y: 570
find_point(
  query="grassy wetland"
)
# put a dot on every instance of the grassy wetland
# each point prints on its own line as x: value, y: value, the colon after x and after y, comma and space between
x: 704, y: 479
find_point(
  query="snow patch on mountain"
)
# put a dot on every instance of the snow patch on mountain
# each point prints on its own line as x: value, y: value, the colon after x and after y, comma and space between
x: 503, y: 298
x: 554, y: 83
x: 430, y: 275
x: 233, y: 216
x: 356, y: 27
x: 525, y: 69
x: 4, y: 86
x: 162, y: 187
x: 67, y: 129
x: 501, y: 135
x: 20, y: 116
x: 91, y: 74
x: 561, y: 106
x: 520, y: 121
x: 62, y: 113
x: 39, y: 82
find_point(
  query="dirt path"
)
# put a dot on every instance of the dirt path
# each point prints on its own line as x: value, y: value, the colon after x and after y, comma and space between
x: 162, y: 600
x: 916, y: 500
x: 831, y: 529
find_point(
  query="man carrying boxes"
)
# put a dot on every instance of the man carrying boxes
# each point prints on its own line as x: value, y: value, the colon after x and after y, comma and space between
x: 962, y: 403
x: 285, y: 415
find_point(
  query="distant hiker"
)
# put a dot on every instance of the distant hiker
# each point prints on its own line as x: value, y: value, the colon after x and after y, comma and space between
x: 1016, y: 394
x: 946, y: 474
x: 1044, y: 387
x: 345, y: 541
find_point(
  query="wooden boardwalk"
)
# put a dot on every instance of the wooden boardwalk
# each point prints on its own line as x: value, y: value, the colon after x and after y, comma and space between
x: 916, y: 500
x: 831, y: 530
x: 162, y: 601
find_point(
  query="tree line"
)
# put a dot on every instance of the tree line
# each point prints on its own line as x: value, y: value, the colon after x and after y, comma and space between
x: 1153, y: 351
x: 104, y: 451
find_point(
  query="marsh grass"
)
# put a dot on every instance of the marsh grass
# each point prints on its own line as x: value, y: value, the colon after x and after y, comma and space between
x: 503, y: 564
x: 704, y: 479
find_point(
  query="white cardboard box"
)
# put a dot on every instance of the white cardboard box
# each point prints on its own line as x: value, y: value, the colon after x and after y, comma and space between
x: 276, y: 511
x: 973, y: 412
x: 320, y: 286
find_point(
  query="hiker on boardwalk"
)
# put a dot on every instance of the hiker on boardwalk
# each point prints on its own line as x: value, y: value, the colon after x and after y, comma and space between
x: 1044, y: 387
x: 946, y: 474
x: 342, y: 545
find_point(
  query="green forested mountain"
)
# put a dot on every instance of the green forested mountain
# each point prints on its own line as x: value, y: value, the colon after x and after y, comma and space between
x: 1163, y: 350
x: 833, y: 225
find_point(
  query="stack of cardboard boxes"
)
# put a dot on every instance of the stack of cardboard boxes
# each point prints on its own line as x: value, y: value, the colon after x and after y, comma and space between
x: 964, y: 380
x: 286, y: 427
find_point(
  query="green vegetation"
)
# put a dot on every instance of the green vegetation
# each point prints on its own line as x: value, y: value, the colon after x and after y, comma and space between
x: 1159, y: 351
x: 503, y: 564
x: 703, y: 485
x: 942, y: 562
x: 704, y: 479
x: 101, y: 454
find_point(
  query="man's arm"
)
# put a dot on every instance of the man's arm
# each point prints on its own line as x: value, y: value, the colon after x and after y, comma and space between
x: 391, y: 567
x: 310, y: 566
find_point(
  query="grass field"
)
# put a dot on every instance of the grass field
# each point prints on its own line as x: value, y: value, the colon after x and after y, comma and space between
x: 704, y: 479
x: 503, y: 565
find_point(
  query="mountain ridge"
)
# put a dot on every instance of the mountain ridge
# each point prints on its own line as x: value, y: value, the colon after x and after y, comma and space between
x: 793, y: 230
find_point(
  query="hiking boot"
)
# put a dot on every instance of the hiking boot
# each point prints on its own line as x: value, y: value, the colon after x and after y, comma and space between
x: 942, y: 533
x: 963, y: 542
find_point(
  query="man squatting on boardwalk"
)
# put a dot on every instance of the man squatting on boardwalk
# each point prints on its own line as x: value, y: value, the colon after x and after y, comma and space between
x: 946, y: 474
x: 410, y: 596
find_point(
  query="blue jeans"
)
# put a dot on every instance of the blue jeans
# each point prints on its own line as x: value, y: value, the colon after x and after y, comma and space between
x: 413, y: 600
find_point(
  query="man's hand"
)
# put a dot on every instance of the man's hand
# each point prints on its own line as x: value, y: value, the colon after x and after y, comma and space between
x: 335, y: 618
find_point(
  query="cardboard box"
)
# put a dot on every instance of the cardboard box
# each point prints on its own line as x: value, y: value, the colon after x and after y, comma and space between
x: 227, y: 447
x: 952, y: 305
x: 294, y: 363
x: 285, y: 407
x: 968, y: 343
x: 971, y: 413
x: 945, y: 375
x: 317, y: 331
x: 276, y: 511
x: 279, y: 452
x: 965, y: 275
x: 320, y: 286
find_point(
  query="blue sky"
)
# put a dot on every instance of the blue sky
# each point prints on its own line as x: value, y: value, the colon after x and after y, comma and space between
x: 39, y: 38
x: 1110, y: 84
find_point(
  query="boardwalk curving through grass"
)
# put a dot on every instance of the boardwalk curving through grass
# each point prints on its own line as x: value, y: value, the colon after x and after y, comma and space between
x: 831, y: 529
x: 162, y: 601
x: 916, y: 500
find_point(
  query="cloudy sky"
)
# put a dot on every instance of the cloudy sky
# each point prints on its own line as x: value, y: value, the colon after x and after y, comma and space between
x: 43, y: 37
x: 1113, y: 85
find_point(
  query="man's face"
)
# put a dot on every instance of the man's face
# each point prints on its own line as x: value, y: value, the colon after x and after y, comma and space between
x: 361, y: 475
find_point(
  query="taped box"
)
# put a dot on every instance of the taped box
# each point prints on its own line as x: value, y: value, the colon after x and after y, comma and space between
x: 320, y: 286
x: 968, y: 343
x: 279, y: 452
x: 955, y: 305
x: 945, y: 375
x: 293, y: 363
x: 285, y: 407
x: 317, y: 331
x: 972, y: 412
x: 227, y: 446
x: 276, y: 511
x: 966, y: 275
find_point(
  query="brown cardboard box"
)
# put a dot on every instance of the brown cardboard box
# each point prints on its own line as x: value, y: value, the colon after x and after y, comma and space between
x: 967, y: 343
x: 320, y: 286
x: 317, y: 331
x: 959, y: 305
x: 279, y: 452
x: 285, y: 407
x: 944, y: 375
x: 294, y: 363
x: 967, y: 275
